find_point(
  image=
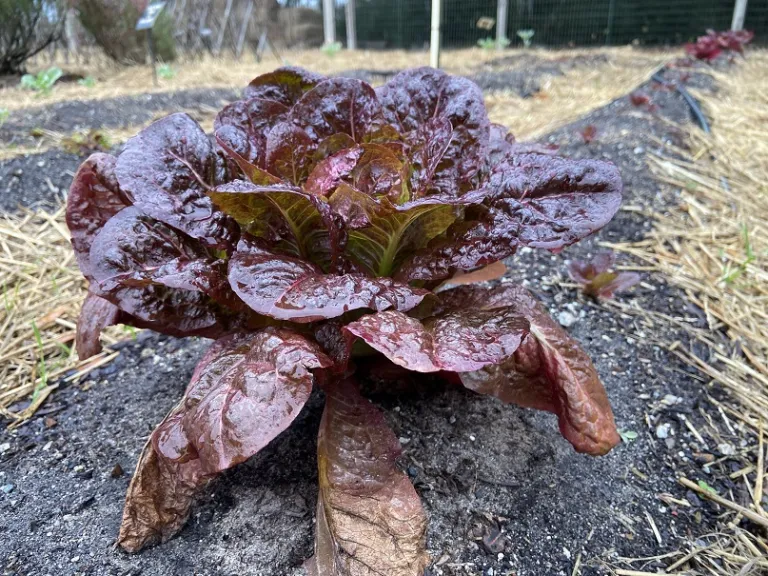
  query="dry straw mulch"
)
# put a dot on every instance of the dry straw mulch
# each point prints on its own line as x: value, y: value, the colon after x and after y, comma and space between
x: 42, y: 290
x: 714, y: 246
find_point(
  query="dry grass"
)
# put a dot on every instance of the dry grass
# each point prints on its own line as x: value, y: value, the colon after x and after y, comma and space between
x: 714, y: 246
x: 42, y: 290
x: 566, y: 98
x: 114, y: 80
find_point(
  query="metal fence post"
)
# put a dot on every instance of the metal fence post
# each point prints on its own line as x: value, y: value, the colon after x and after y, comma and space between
x: 434, y: 37
x: 351, y: 26
x: 502, y: 7
x: 329, y: 21
x: 739, y: 11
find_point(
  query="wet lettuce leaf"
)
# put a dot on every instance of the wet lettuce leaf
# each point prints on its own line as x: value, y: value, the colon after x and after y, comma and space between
x: 94, y: 197
x: 167, y: 169
x: 245, y: 391
x: 549, y: 371
x: 369, y: 518
x: 288, y: 288
x: 455, y: 341
x: 95, y: 315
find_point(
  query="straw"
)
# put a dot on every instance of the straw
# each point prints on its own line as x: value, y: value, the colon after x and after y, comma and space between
x: 42, y: 290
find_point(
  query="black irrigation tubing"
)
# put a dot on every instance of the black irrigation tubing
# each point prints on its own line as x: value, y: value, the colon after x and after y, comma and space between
x: 690, y: 100
x: 693, y: 104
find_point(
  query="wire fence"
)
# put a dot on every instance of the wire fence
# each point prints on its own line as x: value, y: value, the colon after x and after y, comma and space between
x: 405, y: 23
x: 232, y: 27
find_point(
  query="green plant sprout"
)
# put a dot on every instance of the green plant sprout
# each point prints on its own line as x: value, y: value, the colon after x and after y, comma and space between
x: 331, y: 49
x: 730, y: 276
x: 526, y: 36
x: 88, y: 82
x: 42, y: 82
x: 487, y: 43
x: 627, y: 436
x: 4, y: 113
x: 166, y: 71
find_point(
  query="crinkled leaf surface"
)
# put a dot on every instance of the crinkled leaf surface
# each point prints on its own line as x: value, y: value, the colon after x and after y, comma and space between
x: 161, y: 491
x: 455, y: 341
x: 289, y: 153
x: 328, y: 173
x: 285, y: 85
x: 429, y: 143
x: 549, y: 371
x: 382, y: 233
x: 534, y: 200
x: 247, y: 391
x: 94, y: 197
x: 369, y: 518
x: 291, y: 289
x: 468, y: 245
x: 338, y: 106
x: 167, y: 168
x: 159, y: 275
x: 556, y: 201
x: 296, y: 222
x: 95, y: 315
x: 412, y: 97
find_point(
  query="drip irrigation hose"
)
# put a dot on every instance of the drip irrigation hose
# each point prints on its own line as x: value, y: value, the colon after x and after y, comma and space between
x: 690, y: 100
x: 693, y: 104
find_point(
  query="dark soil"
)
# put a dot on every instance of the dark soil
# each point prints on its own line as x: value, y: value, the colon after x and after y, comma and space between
x: 121, y: 112
x: 524, y: 73
x: 482, y: 469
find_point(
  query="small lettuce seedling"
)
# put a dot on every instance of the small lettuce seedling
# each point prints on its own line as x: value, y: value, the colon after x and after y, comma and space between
x: 597, y: 279
x: 43, y: 81
x: 711, y: 45
x: 311, y: 233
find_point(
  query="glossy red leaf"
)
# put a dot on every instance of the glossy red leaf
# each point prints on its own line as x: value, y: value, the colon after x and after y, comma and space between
x: 329, y: 173
x: 414, y: 96
x: 337, y: 105
x: 285, y: 85
x: 468, y: 246
x: 287, y: 288
x: 245, y: 393
x: 549, y: 371
x: 369, y: 518
x: 161, y: 492
x: 94, y: 197
x: 289, y: 153
x: 294, y: 221
x: 245, y: 390
x: 95, y: 315
x: 159, y: 275
x: 455, y: 341
x: 556, y: 201
x: 429, y: 143
x: 167, y: 168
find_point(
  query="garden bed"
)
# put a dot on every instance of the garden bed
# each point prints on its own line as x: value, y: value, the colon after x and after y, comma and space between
x: 503, y: 492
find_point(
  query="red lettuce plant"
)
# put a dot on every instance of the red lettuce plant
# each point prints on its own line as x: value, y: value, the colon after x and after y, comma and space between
x: 597, y: 279
x: 314, y: 228
x: 711, y: 45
